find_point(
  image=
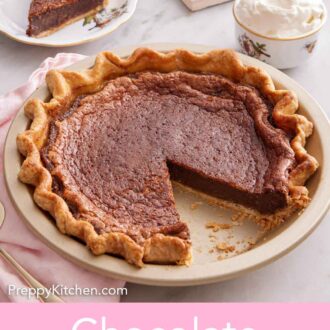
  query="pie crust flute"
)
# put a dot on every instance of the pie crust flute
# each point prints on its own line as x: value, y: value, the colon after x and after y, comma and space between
x: 67, y: 86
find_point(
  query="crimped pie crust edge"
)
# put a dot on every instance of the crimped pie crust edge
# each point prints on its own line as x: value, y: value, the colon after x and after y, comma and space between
x: 65, y: 86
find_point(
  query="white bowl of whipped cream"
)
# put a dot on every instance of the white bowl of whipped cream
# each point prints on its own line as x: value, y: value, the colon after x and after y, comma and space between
x: 282, y: 33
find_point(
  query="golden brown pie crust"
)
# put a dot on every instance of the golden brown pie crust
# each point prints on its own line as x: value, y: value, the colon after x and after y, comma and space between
x: 65, y: 86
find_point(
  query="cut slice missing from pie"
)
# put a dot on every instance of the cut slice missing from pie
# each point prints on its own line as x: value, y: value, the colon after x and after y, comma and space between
x: 49, y: 16
x: 101, y: 153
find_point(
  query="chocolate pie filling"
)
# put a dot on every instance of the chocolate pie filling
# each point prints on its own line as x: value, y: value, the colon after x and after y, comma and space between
x: 118, y: 148
x: 45, y: 15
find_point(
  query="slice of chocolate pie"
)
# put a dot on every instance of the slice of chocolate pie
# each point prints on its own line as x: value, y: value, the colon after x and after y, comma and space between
x: 48, y: 16
x: 102, y: 152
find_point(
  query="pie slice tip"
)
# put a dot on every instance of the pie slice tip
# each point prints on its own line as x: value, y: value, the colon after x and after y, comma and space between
x: 48, y: 16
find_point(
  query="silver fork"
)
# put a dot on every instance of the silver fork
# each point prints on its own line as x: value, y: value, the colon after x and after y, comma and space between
x: 28, y: 278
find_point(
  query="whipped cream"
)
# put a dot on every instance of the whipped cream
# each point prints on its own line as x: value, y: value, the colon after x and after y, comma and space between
x: 280, y: 18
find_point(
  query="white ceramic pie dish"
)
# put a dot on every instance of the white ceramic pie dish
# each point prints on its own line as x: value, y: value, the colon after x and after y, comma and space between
x: 268, y: 249
x: 14, y: 22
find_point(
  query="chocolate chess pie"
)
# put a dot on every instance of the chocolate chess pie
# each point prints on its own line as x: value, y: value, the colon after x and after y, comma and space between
x: 103, y: 150
x: 48, y: 16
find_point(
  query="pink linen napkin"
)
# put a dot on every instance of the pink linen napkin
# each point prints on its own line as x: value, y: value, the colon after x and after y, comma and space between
x: 44, y: 264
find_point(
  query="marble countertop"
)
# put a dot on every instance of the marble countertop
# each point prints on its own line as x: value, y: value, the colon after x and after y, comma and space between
x: 301, y: 276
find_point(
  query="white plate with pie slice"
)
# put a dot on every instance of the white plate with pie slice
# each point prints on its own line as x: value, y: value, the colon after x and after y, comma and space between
x: 14, y: 23
x: 242, y: 246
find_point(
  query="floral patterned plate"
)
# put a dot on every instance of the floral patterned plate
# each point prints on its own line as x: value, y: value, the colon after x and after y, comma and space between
x: 14, y: 22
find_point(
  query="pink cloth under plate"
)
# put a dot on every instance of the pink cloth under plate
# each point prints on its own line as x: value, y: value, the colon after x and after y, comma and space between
x: 44, y: 264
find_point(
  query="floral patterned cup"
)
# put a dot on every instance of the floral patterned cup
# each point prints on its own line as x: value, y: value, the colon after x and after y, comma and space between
x: 282, y: 53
